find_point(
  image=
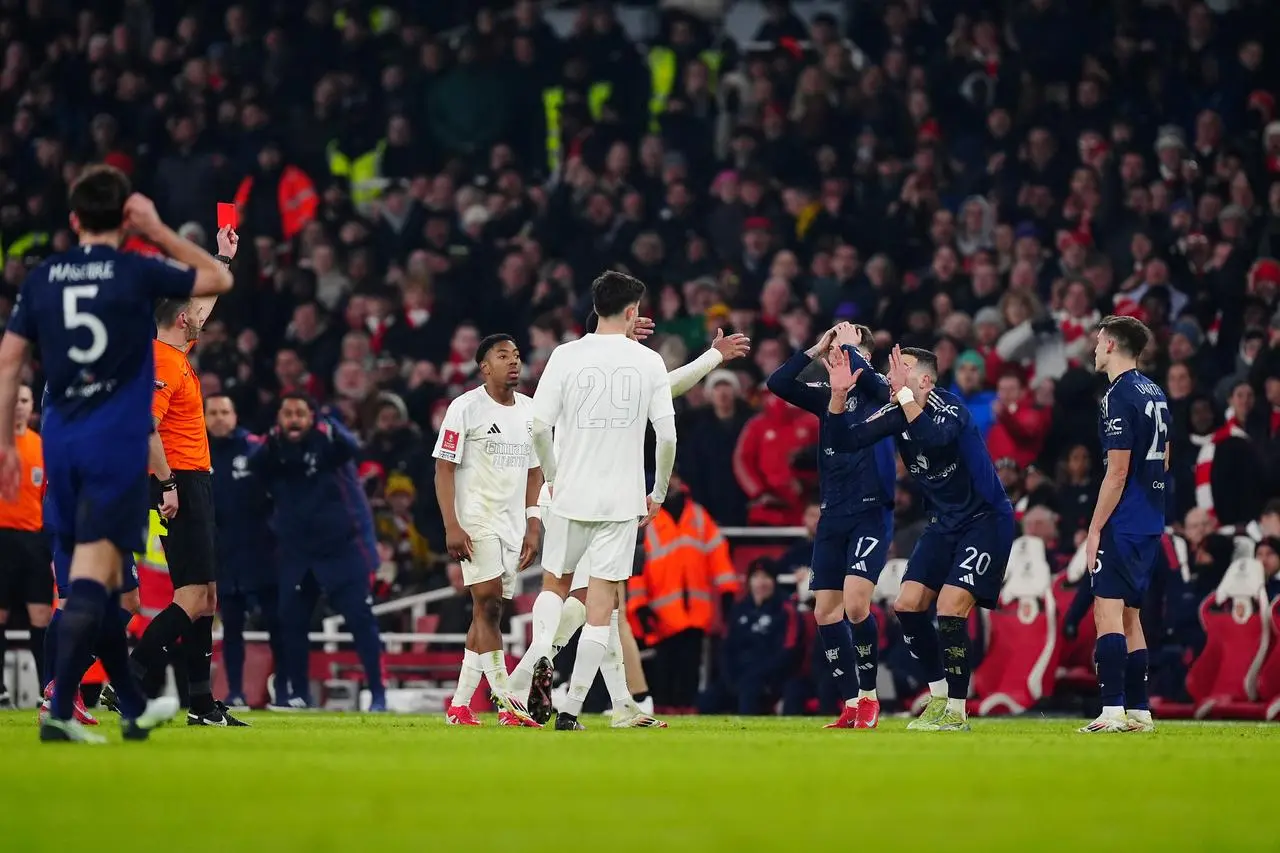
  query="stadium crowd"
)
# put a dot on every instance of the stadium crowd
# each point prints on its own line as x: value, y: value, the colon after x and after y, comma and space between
x: 986, y: 180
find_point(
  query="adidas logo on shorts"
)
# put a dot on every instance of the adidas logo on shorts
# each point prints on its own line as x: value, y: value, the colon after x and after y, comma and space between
x: 493, y: 430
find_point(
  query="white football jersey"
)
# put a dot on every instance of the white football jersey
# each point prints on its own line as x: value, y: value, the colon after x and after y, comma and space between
x: 600, y: 392
x: 490, y: 443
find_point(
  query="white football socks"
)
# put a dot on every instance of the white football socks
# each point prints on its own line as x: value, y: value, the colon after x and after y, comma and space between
x: 591, y: 648
x: 468, y: 679
x: 957, y: 706
x: 612, y: 670
x: 572, y: 617
x: 494, y: 665
x: 546, y: 617
x: 938, y: 689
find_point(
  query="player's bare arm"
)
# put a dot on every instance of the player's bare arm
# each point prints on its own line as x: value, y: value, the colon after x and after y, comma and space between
x: 212, y: 276
x: 533, y: 519
x: 1108, y: 499
x: 456, y: 540
x: 13, y: 355
x: 160, y: 467
x: 228, y: 243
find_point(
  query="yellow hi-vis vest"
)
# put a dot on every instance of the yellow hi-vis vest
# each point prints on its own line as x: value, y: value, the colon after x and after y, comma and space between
x: 364, y: 173
x: 152, y: 560
x: 553, y: 99
x: 662, y: 78
x: 380, y: 19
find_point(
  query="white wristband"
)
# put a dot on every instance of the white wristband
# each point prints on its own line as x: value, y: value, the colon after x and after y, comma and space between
x: 904, y: 396
x: 533, y: 512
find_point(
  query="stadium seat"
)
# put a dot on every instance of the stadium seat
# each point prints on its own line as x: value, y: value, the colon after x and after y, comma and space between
x: 1269, y: 674
x: 523, y: 603
x: 1075, y: 660
x: 1223, y: 681
x: 1020, y: 665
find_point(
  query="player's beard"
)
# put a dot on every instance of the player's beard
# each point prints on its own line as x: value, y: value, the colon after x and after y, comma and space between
x: 193, y: 333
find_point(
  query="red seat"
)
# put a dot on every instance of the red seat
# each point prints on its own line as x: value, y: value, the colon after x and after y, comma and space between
x: 258, y: 666
x: 1075, y: 662
x: 1223, y: 681
x: 1021, y: 661
x: 1269, y: 673
x: 523, y: 603
x: 743, y: 555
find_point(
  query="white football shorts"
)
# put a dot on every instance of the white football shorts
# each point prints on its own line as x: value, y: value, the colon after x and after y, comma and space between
x: 588, y: 549
x: 492, y: 558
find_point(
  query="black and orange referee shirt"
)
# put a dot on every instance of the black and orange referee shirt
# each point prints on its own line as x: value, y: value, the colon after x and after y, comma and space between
x: 178, y: 408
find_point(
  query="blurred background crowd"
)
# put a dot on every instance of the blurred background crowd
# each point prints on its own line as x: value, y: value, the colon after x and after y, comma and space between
x: 983, y: 178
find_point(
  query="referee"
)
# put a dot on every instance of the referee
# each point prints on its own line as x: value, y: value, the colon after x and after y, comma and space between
x: 24, y: 550
x: 183, y: 487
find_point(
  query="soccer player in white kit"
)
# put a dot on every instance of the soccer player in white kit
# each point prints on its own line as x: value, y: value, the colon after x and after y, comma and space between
x: 597, y: 393
x: 487, y: 484
x: 559, y: 610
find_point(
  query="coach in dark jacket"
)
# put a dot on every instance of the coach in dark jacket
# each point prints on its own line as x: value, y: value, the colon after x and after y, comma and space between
x: 324, y: 527
x: 760, y: 650
x: 246, y: 569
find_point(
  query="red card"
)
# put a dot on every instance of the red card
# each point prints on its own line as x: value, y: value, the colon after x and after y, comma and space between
x: 226, y: 215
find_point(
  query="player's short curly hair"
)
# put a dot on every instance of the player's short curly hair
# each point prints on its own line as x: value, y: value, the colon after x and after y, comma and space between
x: 489, y: 343
x: 613, y: 291
x: 1129, y: 333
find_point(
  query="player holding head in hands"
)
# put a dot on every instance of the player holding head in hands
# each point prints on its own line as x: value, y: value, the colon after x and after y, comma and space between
x: 1128, y: 521
x: 852, y: 541
x: 960, y: 559
x: 487, y: 484
x: 597, y: 393
x: 89, y: 312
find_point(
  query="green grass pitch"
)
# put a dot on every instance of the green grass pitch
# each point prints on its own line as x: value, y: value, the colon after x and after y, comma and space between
x: 383, y: 783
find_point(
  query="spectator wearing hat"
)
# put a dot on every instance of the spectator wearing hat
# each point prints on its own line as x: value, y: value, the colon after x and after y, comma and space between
x: 970, y: 387
x: 395, y: 526
x: 710, y: 437
x: 759, y: 652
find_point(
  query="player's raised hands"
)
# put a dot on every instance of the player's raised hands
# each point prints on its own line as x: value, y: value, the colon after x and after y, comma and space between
x: 458, y: 543
x: 898, y: 370
x: 228, y: 241
x: 847, y: 334
x: 140, y: 216
x: 838, y: 372
x: 643, y: 329
x: 731, y: 346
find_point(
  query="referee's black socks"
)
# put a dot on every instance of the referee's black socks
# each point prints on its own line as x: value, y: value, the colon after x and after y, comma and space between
x: 151, y: 655
x: 197, y: 653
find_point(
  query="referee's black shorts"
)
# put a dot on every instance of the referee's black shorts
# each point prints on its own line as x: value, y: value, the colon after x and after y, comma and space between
x: 26, y: 573
x: 189, y: 538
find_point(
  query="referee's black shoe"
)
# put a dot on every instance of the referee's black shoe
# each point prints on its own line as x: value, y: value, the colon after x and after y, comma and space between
x: 218, y: 715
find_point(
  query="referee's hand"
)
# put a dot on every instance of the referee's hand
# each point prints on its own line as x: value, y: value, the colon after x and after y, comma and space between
x: 169, y: 504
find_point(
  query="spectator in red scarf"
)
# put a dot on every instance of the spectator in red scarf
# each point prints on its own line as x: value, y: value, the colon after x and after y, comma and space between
x: 292, y: 374
x: 459, y: 370
x: 1226, y: 474
x: 1020, y: 424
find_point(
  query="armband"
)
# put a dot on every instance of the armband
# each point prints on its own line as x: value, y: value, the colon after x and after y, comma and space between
x: 169, y: 485
x: 223, y: 258
x: 904, y: 396
x: 533, y: 512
